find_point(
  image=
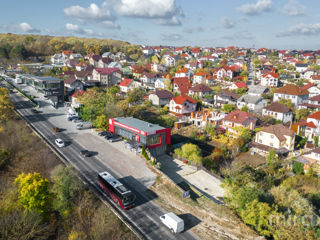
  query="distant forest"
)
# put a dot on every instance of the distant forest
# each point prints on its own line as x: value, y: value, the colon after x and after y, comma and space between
x: 14, y: 48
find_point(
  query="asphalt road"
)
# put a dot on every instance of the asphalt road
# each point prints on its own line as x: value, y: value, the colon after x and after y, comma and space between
x: 144, y: 217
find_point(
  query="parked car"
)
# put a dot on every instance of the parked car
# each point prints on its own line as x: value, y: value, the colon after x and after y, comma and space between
x: 115, y: 138
x: 108, y: 136
x: 85, y: 153
x: 55, y: 129
x: 103, y: 133
x: 84, y: 125
x: 59, y: 142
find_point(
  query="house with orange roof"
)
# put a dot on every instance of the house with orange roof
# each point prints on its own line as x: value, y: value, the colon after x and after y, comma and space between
x: 200, y: 77
x: 311, y: 159
x: 182, y: 105
x: 270, y: 79
x: 239, y: 118
x: 312, y: 89
x: 183, y: 72
x: 293, y: 93
x: 75, y: 98
x: 237, y: 85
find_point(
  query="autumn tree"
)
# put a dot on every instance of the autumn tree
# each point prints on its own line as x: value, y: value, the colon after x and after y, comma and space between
x: 65, y: 185
x: 33, y: 192
x: 6, y: 106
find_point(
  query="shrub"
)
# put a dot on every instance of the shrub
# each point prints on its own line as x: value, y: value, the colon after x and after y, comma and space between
x: 4, y: 157
x: 144, y: 153
x: 298, y: 168
x: 190, y: 151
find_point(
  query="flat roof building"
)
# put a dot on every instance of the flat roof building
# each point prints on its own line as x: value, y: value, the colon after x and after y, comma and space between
x: 152, y: 136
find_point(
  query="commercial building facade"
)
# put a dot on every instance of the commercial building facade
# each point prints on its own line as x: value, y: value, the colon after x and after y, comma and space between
x: 141, y: 133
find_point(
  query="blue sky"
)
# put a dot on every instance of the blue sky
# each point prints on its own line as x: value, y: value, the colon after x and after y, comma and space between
x: 282, y: 24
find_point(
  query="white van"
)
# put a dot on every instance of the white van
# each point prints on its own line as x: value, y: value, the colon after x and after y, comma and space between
x: 173, y: 222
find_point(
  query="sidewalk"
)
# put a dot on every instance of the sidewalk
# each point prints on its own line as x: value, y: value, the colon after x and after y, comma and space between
x: 178, y: 171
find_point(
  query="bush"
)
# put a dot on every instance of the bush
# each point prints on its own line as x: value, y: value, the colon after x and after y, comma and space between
x: 144, y: 153
x: 190, y: 151
x: 298, y: 168
x: 4, y: 157
x: 210, y: 164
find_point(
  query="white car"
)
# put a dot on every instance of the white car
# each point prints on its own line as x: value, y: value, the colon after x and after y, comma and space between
x: 59, y: 142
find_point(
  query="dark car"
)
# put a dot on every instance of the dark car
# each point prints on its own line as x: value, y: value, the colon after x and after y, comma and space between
x: 85, y: 153
x: 103, y: 133
x: 108, y: 135
x: 115, y: 138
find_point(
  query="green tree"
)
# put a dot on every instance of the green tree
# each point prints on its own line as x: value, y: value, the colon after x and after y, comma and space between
x: 135, y: 95
x: 316, y: 141
x: 228, y: 108
x: 241, y: 91
x: 190, y: 151
x: 272, y: 162
x: 301, y: 114
x: 298, y: 168
x: 65, y: 185
x: 19, y: 52
x: 286, y: 102
x: 257, y: 214
x: 245, y: 108
x: 33, y: 192
x: 101, y: 122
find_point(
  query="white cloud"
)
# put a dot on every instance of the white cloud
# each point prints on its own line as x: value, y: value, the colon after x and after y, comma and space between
x: 26, y: 27
x: 294, y: 8
x: 302, y: 30
x: 75, y: 29
x: 169, y: 22
x: 256, y: 8
x: 171, y: 36
x: 92, y: 13
x: 227, y: 22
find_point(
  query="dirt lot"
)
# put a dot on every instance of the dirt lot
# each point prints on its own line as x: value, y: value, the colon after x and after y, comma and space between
x: 205, y: 218
x: 247, y: 159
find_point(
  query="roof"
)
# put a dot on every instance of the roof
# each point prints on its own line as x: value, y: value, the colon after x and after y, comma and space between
x: 70, y: 80
x: 183, y: 98
x: 274, y: 75
x: 241, y: 84
x: 239, y: 116
x: 315, y: 115
x: 315, y: 77
x: 292, y: 89
x: 163, y: 94
x: 257, y: 89
x: 278, y: 107
x: 126, y: 82
x: 226, y: 93
x: 279, y: 131
x: 247, y: 98
x: 182, y: 70
x: 183, y: 84
x: 201, y: 73
x: 307, y: 124
x: 315, y: 98
x: 107, y: 71
x: 95, y: 57
x: 301, y: 65
x: 201, y: 88
x: 138, y: 124
x: 307, y: 86
x: 78, y: 93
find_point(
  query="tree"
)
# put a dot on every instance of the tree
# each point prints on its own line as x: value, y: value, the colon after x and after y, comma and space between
x: 272, y: 162
x: 301, y: 114
x: 155, y: 59
x: 135, y: 95
x: 18, y: 52
x: 190, y: 151
x: 298, y: 168
x: 33, y: 192
x: 245, y: 108
x: 65, y: 186
x: 316, y: 141
x: 228, y: 108
x: 101, y: 122
x: 241, y: 91
x: 6, y: 106
x: 286, y: 102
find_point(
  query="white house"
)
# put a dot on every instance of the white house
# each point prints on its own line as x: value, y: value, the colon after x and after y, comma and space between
x: 160, y: 83
x: 278, y: 111
x: 301, y: 67
x: 183, y: 72
x: 160, y: 97
x: 200, y: 77
x: 292, y: 92
x: 270, y: 79
x: 312, y: 89
x: 182, y: 105
x: 126, y: 85
x: 200, y: 90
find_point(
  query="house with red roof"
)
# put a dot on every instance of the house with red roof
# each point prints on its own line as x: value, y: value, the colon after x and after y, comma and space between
x: 126, y: 84
x: 310, y: 127
x: 94, y: 60
x: 239, y: 118
x: 107, y: 76
x: 269, y: 79
x: 182, y: 105
x: 313, y: 103
x: 315, y: 79
x: 74, y: 98
x: 312, y: 89
x: 224, y: 72
x: 181, y: 85
x: 237, y: 85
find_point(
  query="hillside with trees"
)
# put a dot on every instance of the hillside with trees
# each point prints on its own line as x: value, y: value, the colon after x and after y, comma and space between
x: 14, y: 48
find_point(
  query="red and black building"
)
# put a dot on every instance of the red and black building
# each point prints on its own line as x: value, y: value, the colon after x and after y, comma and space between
x: 152, y: 136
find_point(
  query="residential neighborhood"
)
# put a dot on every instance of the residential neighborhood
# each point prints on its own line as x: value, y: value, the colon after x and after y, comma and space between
x: 139, y: 120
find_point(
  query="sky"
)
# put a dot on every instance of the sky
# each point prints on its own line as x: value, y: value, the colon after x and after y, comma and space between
x: 279, y: 24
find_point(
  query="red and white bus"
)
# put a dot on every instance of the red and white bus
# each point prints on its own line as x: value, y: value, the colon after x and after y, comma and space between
x: 116, y: 190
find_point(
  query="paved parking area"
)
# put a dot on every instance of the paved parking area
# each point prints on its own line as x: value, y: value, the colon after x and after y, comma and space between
x: 179, y: 171
x: 118, y: 158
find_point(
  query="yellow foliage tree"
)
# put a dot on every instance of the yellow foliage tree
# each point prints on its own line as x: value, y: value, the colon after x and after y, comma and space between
x: 6, y: 106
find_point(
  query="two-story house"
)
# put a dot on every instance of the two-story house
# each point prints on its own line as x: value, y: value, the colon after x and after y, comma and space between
x: 270, y: 79
x: 311, y: 159
x: 181, y: 85
x: 278, y: 111
x: 207, y: 117
x: 107, y: 76
x: 277, y: 137
x: 94, y: 60
x: 225, y: 97
x: 200, y: 77
x: 126, y: 85
x: 183, y: 72
x: 200, y: 90
x: 182, y: 105
x: 237, y: 85
x: 160, y: 97
x: 291, y: 92
x: 310, y: 127
x: 312, y: 89
x: 254, y: 103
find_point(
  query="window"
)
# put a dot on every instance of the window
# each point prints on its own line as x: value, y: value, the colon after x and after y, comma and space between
x: 272, y: 136
x: 153, y: 140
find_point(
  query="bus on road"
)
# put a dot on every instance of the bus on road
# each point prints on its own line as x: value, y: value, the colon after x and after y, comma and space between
x: 116, y: 190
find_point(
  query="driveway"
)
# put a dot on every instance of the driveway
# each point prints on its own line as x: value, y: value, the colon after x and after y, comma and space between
x: 117, y: 157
